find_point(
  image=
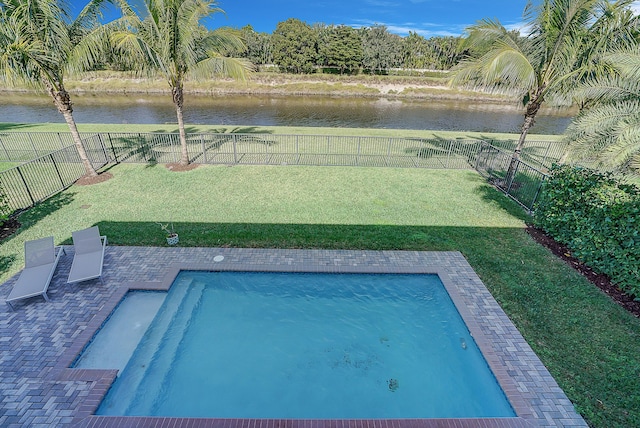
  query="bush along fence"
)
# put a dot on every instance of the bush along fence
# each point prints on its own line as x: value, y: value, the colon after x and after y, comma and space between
x: 34, y: 181
x: 598, y: 218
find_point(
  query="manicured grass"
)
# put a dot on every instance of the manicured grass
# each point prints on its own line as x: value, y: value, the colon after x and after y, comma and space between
x: 7, y: 165
x: 590, y: 345
x: 364, y: 132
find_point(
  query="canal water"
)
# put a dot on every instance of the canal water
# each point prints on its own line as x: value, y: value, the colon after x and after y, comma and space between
x: 320, y: 111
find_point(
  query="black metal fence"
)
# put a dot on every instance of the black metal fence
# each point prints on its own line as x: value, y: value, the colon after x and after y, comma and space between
x: 267, y: 149
x: 538, y: 154
x: 523, y: 183
x: 36, y: 180
x: 25, y: 146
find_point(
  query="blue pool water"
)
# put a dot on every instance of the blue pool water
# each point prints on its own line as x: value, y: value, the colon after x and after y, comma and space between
x: 305, y: 346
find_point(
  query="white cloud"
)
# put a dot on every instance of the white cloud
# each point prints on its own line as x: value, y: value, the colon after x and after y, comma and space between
x: 425, y: 29
x: 382, y: 3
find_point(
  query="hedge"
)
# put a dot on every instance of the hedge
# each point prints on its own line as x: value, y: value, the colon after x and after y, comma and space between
x: 598, y: 217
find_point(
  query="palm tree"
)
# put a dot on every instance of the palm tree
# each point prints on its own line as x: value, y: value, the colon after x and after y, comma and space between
x: 168, y: 37
x: 564, y: 38
x: 37, y: 42
x: 607, y: 132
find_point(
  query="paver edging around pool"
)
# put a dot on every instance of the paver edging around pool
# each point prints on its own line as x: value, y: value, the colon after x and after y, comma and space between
x: 105, y: 378
x: 535, y: 406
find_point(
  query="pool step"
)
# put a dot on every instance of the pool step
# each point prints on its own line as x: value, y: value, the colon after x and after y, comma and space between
x: 160, y: 365
x: 128, y: 383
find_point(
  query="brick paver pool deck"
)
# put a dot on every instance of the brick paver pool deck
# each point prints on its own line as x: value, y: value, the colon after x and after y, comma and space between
x: 39, y: 339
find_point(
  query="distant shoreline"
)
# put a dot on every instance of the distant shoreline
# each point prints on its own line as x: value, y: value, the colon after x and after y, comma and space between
x: 278, y: 84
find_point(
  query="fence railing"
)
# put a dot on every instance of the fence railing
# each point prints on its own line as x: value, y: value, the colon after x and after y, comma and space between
x: 523, y: 183
x: 36, y: 180
x: 212, y: 148
x: 25, y: 146
x: 538, y: 154
x: 267, y: 149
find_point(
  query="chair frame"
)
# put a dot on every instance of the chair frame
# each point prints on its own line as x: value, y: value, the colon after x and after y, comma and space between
x: 77, y: 256
x: 58, y: 252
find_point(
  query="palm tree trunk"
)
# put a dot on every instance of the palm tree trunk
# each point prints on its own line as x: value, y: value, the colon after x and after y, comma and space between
x: 178, y: 100
x: 62, y: 100
x: 533, y: 106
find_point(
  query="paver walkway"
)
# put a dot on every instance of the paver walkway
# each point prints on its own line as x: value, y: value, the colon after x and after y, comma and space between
x: 36, y: 336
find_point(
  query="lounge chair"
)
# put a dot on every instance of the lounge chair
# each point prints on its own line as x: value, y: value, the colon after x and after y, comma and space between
x: 40, y: 264
x: 89, y: 256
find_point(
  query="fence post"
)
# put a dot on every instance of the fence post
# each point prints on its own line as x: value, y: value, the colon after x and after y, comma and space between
x: 478, y: 155
x: 55, y: 165
x: 33, y: 201
x: 113, y: 150
x: 5, y: 150
x: 359, y: 148
x: 144, y: 146
x: 33, y: 145
x: 328, y: 147
x: 544, y: 159
x: 235, y: 149
x: 204, y: 149
x: 62, y: 146
x: 513, y: 177
x: 535, y: 197
x: 104, y: 149
x: 449, y: 153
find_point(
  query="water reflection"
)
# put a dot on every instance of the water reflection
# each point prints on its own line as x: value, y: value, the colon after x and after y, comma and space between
x: 286, y: 111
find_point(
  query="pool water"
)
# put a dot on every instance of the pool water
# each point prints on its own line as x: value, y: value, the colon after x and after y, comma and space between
x: 306, y: 346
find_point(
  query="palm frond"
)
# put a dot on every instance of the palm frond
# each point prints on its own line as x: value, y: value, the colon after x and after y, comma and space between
x: 503, y: 69
x: 483, y: 33
x: 607, y: 134
x: 218, y: 66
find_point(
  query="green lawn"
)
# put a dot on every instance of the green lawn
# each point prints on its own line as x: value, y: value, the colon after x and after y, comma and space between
x: 590, y: 345
x: 364, y: 132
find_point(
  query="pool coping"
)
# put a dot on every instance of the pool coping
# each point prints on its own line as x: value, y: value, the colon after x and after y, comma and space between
x: 48, y: 390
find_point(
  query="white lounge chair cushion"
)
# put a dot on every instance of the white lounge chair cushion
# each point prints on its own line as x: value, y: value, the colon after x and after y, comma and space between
x: 89, y: 255
x: 33, y: 281
x: 86, y: 266
x: 88, y: 246
x: 39, y: 252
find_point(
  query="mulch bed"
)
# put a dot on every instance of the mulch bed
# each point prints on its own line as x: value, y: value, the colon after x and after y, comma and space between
x: 176, y: 167
x: 8, y: 228
x: 600, y: 280
x: 86, y: 180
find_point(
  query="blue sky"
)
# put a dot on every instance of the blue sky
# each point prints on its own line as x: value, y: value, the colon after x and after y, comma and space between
x: 426, y: 17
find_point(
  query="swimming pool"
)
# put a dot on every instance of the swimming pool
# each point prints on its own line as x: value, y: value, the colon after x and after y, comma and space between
x: 306, y: 345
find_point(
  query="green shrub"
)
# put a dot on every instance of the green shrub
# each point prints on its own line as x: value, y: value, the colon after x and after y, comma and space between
x: 4, y: 206
x: 598, y: 218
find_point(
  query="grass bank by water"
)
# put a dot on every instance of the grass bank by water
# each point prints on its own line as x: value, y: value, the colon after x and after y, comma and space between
x: 251, y: 129
x: 590, y: 345
x: 271, y: 83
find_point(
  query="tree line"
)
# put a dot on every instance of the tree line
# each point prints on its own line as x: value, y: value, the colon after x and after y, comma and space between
x: 297, y: 47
